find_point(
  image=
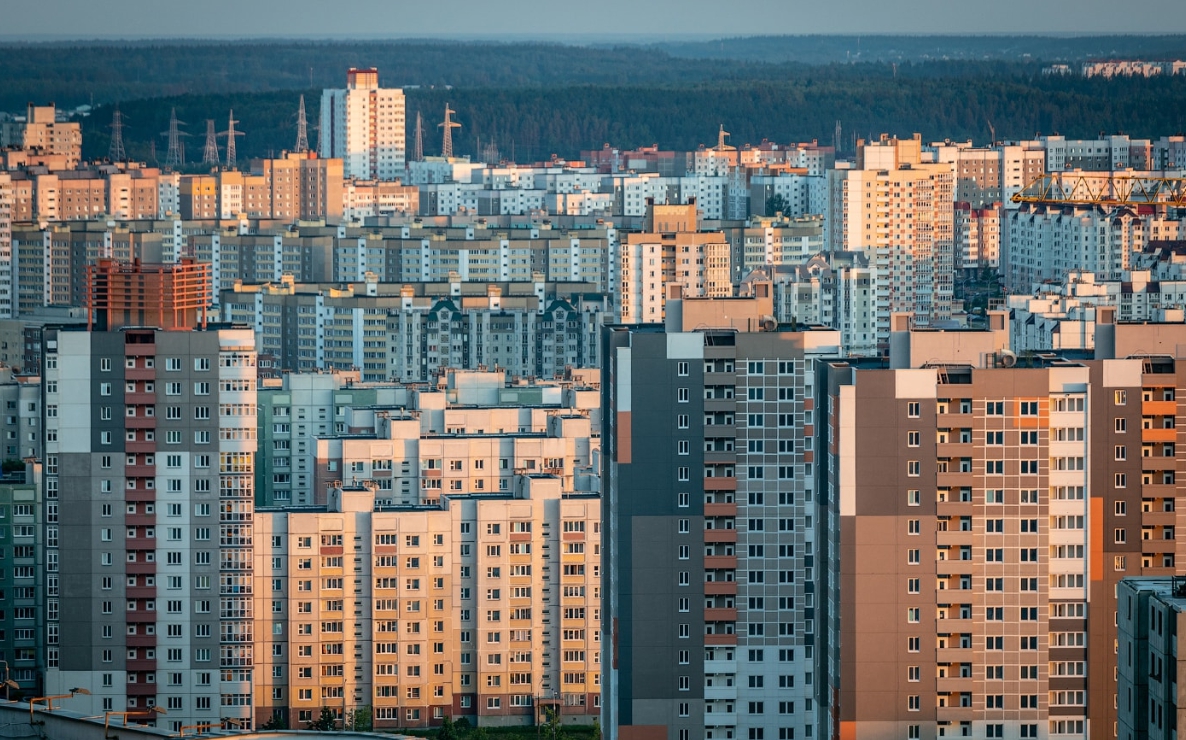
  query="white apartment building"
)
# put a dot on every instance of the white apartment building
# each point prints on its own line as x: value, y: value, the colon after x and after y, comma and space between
x: 363, y: 125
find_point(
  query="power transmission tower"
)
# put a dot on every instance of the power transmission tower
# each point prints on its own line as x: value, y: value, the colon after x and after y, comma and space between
x: 230, y: 135
x: 302, y: 143
x: 152, y: 151
x: 210, y: 155
x: 116, y: 151
x: 418, y: 150
x: 448, y: 126
x: 175, y: 157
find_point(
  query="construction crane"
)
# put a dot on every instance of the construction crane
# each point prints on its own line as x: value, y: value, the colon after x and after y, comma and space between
x: 1103, y: 189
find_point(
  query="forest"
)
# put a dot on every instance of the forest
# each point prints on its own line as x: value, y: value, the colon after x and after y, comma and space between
x: 533, y: 100
x: 77, y: 73
x: 532, y: 123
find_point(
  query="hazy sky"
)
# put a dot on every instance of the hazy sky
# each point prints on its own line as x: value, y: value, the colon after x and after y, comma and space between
x: 394, y: 18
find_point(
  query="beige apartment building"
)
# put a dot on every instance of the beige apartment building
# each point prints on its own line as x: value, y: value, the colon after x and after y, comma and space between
x: 986, y: 509
x: 897, y: 209
x: 410, y: 460
x: 43, y: 134
x: 477, y: 606
x: 671, y: 250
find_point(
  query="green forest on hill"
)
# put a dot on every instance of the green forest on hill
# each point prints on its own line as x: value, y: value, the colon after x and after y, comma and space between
x: 534, y: 123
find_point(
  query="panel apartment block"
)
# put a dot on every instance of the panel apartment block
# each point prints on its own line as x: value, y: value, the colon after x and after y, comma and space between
x: 149, y: 467
x: 711, y: 567
x: 484, y: 606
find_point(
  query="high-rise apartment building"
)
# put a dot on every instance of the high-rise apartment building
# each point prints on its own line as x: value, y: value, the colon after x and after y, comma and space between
x: 483, y: 606
x: 671, y: 250
x: 983, y: 515
x: 41, y: 133
x: 7, y: 260
x: 363, y: 125
x: 1150, y: 614
x: 710, y: 569
x: 149, y: 476
x: 22, y: 580
x: 898, y: 210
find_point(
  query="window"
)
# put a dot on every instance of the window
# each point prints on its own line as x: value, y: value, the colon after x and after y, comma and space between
x: 913, y: 409
x: 1120, y: 398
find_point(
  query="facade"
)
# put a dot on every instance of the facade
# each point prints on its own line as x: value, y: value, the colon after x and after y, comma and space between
x: 7, y: 261
x: 670, y: 251
x: 411, y: 332
x: 483, y: 606
x: 710, y: 568
x: 975, y: 613
x: 363, y: 125
x: 1045, y: 242
x: 23, y: 616
x: 1149, y: 618
x: 838, y: 290
x: 150, y: 605
x: 977, y: 237
x: 899, y: 211
x: 42, y: 134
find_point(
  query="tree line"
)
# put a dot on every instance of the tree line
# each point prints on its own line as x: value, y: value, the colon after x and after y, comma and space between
x: 530, y: 124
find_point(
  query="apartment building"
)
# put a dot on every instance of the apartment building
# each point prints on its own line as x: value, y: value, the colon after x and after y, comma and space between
x: 975, y: 611
x: 1045, y: 242
x: 7, y: 263
x: 363, y: 125
x: 484, y: 606
x: 150, y: 605
x: 764, y: 242
x: 42, y: 133
x: 410, y: 332
x: 711, y: 572
x: 317, y: 429
x: 898, y: 209
x: 977, y: 237
x: 22, y: 581
x: 671, y: 250
x: 838, y: 290
x: 1149, y: 618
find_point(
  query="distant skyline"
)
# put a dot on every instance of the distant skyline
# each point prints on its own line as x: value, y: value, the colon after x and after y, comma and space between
x: 577, y: 21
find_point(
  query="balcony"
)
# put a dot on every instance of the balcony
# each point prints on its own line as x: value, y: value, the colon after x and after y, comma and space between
x: 718, y: 640
x: 140, y: 422
x: 1159, y: 408
x: 720, y: 588
x: 953, y: 537
x: 141, y: 665
x: 141, y: 689
x: 139, y: 373
x: 953, y: 626
x: 953, y: 655
x: 139, y: 471
x: 720, y: 562
x: 720, y: 719
x: 720, y: 456
x: 712, y: 667
x: 720, y: 484
x: 725, y: 693
x: 1159, y: 518
x: 140, y: 569
x: 720, y: 615
x: 953, y: 508
x: 141, y: 592
x: 140, y: 495
x: 719, y: 404
x: 139, y: 398
x: 1159, y: 435
x: 954, y: 685
x: 140, y: 641
x: 712, y: 536
x: 140, y: 447
x: 711, y: 510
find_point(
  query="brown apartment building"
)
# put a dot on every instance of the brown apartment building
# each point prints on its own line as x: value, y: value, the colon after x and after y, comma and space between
x: 984, y: 510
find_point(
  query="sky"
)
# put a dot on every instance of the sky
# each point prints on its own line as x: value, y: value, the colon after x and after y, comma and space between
x: 576, y: 19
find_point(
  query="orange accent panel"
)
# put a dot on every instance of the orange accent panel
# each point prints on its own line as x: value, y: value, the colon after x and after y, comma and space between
x: 623, y: 447
x: 1097, y: 538
x: 848, y: 730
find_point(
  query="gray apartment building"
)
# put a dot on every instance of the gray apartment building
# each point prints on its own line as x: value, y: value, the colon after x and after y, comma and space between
x: 150, y: 462
x: 709, y: 573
